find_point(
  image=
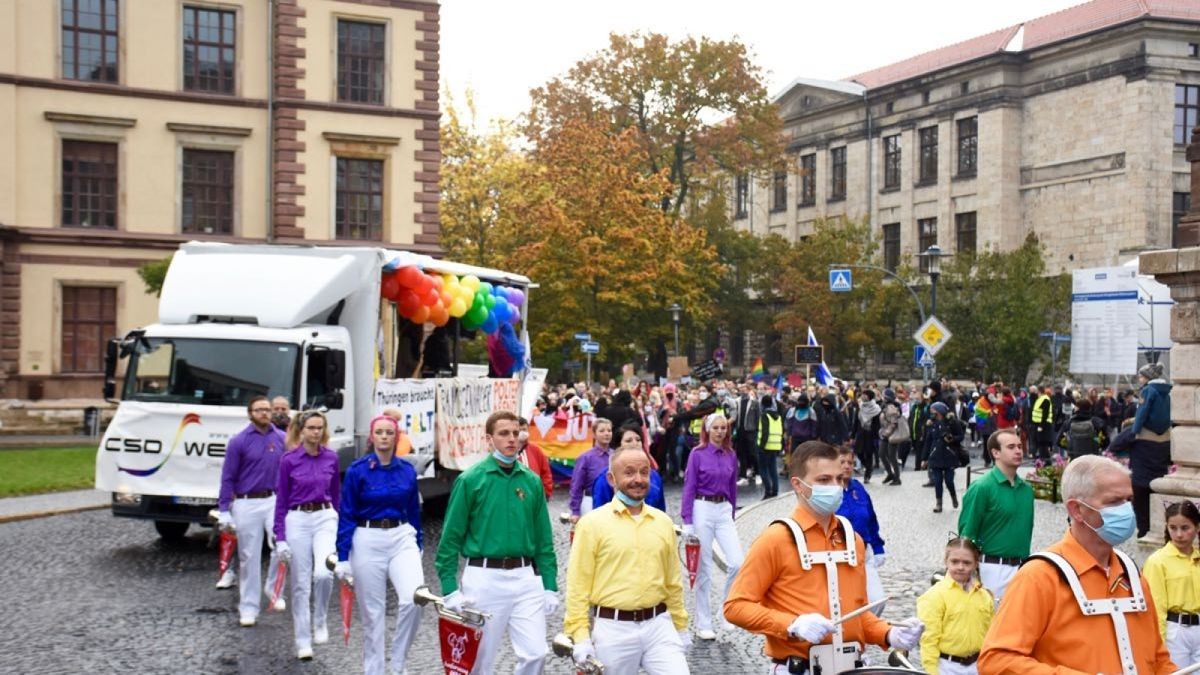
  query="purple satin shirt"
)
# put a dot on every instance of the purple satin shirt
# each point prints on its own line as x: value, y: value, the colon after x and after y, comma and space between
x: 303, y: 479
x: 711, y: 471
x: 251, y: 463
x: 590, y: 464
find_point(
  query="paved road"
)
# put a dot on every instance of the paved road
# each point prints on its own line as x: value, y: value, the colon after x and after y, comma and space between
x: 87, y: 592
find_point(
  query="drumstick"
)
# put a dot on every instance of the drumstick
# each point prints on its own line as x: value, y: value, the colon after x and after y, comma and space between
x: 1190, y: 669
x: 860, y: 610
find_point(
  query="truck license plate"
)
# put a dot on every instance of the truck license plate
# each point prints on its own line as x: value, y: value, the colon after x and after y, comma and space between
x: 195, y: 501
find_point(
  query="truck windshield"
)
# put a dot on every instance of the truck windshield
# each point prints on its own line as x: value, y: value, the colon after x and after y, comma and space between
x: 210, y: 372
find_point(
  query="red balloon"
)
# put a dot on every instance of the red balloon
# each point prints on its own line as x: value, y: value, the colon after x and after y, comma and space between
x: 420, y: 315
x: 437, y: 280
x: 409, y: 276
x: 390, y: 287
x: 431, y: 297
x: 407, y: 302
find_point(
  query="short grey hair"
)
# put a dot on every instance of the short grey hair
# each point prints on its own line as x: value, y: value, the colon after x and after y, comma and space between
x: 1079, y: 478
x: 612, y: 455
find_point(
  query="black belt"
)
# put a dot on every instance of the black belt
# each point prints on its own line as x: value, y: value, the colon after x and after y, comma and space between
x: 261, y: 494
x: 309, y: 507
x: 964, y: 660
x: 631, y: 614
x: 1184, y: 619
x: 1000, y: 560
x: 716, y: 499
x: 587, y: 493
x: 500, y: 563
x: 381, y: 524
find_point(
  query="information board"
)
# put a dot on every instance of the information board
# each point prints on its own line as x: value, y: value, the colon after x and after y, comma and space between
x: 809, y: 355
x: 1104, y: 321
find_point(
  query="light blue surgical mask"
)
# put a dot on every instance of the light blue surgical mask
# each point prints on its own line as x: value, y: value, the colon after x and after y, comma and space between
x: 627, y: 500
x: 500, y: 457
x: 825, y: 499
x: 1119, y: 523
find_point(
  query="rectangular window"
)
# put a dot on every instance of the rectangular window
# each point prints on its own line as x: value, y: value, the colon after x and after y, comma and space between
x: 359, y: 210
x: 891, y: 246
x: 89, y: 40
x: 742, y: 198
x: 891, y: 162
x: 1193, y: 49
x: 207, y: 192
x: 926, y: 237
x: 361, y: 62
x: 209, y: 49
x: 968, y: 146
x: 89, y: 319
x: 837, y: 174
x: 1181, y: 202
x: 808, y: 180
x: 1187, y: 111
x: 779, y: 191
x: 89, y: 184
x: 929, y: 155
x: 964, y: 231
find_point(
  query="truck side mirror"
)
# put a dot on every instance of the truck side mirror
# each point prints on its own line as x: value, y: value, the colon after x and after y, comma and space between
x: 111, y: 354
x: 335, y: 370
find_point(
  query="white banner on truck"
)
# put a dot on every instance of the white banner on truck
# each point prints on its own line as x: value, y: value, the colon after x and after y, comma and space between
x: 463, y: 406
x: 415, y: 399
x: 1104, y: 321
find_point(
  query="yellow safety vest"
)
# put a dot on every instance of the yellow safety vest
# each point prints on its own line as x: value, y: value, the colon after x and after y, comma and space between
x: 1036, y: 414
x: 695, y: 426
x: 774, y: 441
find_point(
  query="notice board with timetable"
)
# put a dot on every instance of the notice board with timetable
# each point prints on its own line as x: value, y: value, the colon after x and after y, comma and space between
x: 1104, y: 321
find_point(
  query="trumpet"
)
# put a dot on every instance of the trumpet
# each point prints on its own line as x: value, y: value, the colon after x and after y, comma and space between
x: 423, y: 596
x: 331, y: 563
x: 214, y: 517
x: 899, y: 659
x: 562, y: 645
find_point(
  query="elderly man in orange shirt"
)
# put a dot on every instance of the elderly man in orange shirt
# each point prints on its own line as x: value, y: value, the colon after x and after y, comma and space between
x: 807, y: 571
x: 1081, y: 606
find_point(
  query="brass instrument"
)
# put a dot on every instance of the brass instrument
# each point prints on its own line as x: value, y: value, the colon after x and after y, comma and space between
x: 423, y: 596
x: 562, y: 645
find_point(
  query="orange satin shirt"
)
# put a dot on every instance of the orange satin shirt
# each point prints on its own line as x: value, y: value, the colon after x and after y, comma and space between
x: 772, y: 589
x: 1039, y: 629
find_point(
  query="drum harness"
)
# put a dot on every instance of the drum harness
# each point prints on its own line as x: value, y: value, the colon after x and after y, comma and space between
x: 1115, y: 608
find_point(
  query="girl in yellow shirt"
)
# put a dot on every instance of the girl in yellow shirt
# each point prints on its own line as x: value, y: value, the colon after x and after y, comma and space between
x: 1173, y: 573
x: 957, y: 612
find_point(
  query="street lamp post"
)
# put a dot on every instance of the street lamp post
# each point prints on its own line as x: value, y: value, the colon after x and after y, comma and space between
x: 676, y: 311
x: 933, y: 266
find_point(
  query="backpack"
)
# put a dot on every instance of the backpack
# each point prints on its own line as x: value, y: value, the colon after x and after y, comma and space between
x: 1081, y: 438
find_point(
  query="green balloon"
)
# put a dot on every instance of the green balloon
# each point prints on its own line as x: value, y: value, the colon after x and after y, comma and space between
x: 479, y: 300
x: 489, y: 301
x: 478, y: 315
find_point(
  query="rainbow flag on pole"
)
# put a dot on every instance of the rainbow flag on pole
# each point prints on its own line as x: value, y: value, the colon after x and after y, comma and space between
x: 758, y: 372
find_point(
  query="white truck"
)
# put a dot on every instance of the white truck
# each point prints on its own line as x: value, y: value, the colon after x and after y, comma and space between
x: 238, y: 321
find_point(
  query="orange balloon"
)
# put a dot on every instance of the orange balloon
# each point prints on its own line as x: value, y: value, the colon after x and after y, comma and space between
x: 420, y: 314
x: 438, y: 315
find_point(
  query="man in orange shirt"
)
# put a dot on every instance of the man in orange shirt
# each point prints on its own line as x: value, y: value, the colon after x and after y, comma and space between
x: 1081, y: 606
x: 797, y: 605
x: 532, y: 456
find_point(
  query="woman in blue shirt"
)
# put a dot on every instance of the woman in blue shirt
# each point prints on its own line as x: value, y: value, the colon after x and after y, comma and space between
x: 858, y: 509
x: 379, y: 539
x: 602, y: 492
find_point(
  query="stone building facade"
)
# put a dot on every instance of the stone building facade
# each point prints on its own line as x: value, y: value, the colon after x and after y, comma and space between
x: 130, y: 126
x: 1071, y: 126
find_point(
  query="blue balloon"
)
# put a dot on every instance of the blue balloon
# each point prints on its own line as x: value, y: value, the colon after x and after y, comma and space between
x: 502, y: 310
x: 490, y: 325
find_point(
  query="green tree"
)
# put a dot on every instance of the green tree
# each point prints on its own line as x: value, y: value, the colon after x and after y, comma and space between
x: 153, y: 274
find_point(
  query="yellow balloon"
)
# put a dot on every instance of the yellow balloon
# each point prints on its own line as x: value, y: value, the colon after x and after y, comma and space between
x: 449, y: 279
x: 470, y: 282
x: 457, y: 308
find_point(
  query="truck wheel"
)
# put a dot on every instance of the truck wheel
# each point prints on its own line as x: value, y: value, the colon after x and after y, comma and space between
x: 170, y: 530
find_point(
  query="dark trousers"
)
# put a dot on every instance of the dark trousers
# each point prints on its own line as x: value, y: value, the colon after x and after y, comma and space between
x: 941, y: 476
x: 768, y: 470
x: 747, y: 449
x: 890, y: 465
x: 1141, y: 509
x: 865, y: 449
x: 902, y: 454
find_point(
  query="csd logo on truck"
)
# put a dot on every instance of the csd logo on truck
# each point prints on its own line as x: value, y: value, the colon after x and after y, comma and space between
x: 152, y: 446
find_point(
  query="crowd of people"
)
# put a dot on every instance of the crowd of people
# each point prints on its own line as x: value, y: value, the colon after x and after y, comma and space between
x: 811, y: 583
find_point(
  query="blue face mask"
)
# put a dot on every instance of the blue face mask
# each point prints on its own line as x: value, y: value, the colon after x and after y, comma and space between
x: 500, y: 457
x: 1119, y: 523
x: 825, y: 499
x: 627, y: 500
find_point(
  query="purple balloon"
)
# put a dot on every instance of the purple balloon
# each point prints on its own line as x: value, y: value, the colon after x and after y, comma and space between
x: 518, y: 297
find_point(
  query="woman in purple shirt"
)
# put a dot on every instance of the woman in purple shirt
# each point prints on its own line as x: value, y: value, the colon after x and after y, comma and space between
x: 588, y: 465
x: 306, y: 518
x: 709, y: 500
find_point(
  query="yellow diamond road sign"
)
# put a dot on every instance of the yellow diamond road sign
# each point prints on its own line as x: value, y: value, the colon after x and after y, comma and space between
x: 932, y: 335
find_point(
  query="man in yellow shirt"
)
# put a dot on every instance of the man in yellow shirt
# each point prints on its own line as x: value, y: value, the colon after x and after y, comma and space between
x: 625, y: 568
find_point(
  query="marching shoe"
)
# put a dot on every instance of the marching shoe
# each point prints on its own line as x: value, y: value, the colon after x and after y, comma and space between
x: 320, y: 635
x: 247, y: 621
x: 229, y: 579
x: 954, y: 500
x: 938, y: 508
x: 304, y: 653
x: 706, y: 635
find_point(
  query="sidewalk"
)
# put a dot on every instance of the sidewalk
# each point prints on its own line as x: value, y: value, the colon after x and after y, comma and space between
x: 52, y: 504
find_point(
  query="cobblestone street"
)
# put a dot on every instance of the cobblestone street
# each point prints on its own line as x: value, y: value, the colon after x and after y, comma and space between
x: 88, y: 592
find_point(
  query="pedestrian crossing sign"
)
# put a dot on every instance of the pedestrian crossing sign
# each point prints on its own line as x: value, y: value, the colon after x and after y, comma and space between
x: 840, y: 281
x: 932, y: 335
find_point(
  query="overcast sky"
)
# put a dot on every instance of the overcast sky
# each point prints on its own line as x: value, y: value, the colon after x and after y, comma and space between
x: 501, y: 50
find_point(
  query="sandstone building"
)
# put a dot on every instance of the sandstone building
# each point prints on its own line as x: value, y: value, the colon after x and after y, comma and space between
x: 130, y: 126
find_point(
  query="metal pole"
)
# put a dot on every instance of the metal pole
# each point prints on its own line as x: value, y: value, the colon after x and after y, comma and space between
x: 932, y: 312
x: 676, y: 338
x: 589, y: 369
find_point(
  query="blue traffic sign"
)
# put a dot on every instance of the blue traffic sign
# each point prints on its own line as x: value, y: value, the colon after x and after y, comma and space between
x: 590, y: 347
x: 583, y: 337
x: 921, y: 356
x: 840, y: 281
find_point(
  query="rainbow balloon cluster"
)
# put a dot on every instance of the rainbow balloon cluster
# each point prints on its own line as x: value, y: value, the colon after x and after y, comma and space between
x: 422, y: 297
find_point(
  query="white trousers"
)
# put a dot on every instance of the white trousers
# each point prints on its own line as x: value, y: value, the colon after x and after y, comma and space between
x: 311, y: 536
x: 947, y: 667
x: 254, y: 520
x: 376, y: 557
x: 1183, y: 642
x: 874, y: 583
x: 516, y: 601
x: 624, y: 646
x: 995, y: 578
x: 714, y: 522
x: 585, y: 505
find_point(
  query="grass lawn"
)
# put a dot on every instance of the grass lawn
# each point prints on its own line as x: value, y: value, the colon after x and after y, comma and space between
x: 27, y: 472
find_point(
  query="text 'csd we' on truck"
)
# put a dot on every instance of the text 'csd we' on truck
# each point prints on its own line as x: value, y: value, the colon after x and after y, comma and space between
x: 307, y: 323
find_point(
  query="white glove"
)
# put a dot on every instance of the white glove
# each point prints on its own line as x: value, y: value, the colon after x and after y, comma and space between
x: 224, y: 520
x: 342, y: 570
x: 878, y: 559
x: 688, y: 530
x: 456, y: 601
x: 551, y: 602
x: 283, y: 551
x: 583, y: 651
x: 811, y: 628
x: 686, y: 638
x: 906, y: 634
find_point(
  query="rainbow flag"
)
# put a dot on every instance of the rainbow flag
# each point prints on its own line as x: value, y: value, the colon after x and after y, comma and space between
x: 758, y: 372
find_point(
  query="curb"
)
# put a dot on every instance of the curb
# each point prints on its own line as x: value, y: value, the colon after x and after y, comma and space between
x: 16, y: 517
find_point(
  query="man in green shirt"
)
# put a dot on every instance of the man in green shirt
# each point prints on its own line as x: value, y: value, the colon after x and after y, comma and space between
x: 997, y: 514
x: 497, y: 520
